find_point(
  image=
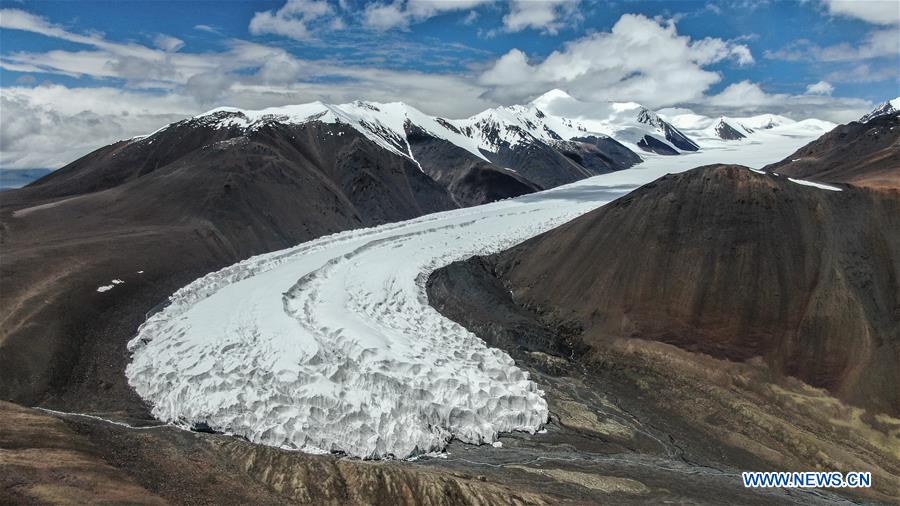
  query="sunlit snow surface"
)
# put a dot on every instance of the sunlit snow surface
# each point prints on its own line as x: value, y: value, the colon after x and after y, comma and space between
x: 814, y: 184
x: 332, y: 346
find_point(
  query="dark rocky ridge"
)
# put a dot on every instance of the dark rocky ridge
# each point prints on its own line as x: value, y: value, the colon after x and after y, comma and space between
x: 530, y: 157
x: 654, y: 145
x: 864, y: 154
x: 672, y: 134
x: 539, y: 163
x: 547, y: 163
x: 727, y: 132
x: 600, y: 155
x: 702, y: 297
x: 733, y: 264
x: 469, y: 179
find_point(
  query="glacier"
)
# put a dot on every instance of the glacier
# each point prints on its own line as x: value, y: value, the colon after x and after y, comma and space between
x: 331, y: 346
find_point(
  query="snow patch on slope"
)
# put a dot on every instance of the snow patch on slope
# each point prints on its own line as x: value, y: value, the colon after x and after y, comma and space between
x: 814, y: 184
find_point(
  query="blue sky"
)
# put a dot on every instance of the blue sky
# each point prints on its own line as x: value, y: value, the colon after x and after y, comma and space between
x: 78, y: 75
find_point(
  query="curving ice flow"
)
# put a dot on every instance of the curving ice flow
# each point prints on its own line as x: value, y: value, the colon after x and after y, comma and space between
x: 331, y: 346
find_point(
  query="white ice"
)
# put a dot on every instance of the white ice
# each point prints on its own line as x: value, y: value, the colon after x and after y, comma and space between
x: 112, y: 284
x: 814, y: 184
x: 331, y: 345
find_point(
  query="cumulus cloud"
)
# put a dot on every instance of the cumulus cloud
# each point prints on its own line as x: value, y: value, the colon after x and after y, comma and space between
x: 402, y: 13
x: 293, y: 19
x: 881, y: 12
x: 820, y: 88
x: 640, y: 59
x: 547, y: 16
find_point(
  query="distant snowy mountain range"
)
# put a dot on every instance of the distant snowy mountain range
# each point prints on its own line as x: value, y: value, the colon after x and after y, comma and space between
x: 552, y: 140
x: 706, y: 129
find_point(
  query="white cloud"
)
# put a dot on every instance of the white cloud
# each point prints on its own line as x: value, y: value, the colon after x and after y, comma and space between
x: 168, y: 43
x: 165, y: 86
x: 143, y: 66
x: 293, y: 19
x: 745, y: 97
x: 207, y: 29
x: 881, y: 12
x: 743, y: 92
x: 863, y: 73
x: 640, y: 59
x: 49, y: 126
x: 402, y: 13
x: 876, y: 44
x: 820, y: 88
x: 17, y: 19
x: 548, y: 16
x: 383, y: 16
x: 881, y: 42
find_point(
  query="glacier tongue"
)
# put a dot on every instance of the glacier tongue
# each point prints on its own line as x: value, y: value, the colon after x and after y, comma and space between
x: 331, y: 346
x: 323, y: 348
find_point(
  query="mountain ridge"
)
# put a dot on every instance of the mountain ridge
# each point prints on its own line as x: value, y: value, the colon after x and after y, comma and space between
x: 862, y: 153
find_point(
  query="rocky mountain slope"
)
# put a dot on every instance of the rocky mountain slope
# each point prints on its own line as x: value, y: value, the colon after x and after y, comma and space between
x: 865, y: 153
x: 159, y: 212
x: 530, y: 142
x: 762, y: 312
x: 733, y: 264
x: 729, y: 133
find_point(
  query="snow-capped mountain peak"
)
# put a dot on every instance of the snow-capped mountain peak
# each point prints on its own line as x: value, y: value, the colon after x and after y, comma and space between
x: 555, y: 124
x: 883, y: 109
x: 726, y: 131
x: 481, y: 134
x: 649, y: 117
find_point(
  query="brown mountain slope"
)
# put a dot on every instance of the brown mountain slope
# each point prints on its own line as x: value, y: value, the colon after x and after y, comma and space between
x: 863, y: 154
x: 734, y: 264
x: 157, y: 215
